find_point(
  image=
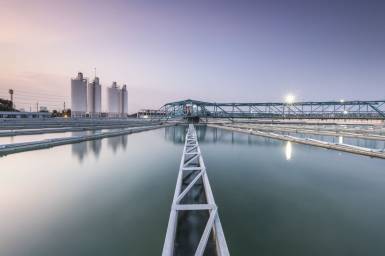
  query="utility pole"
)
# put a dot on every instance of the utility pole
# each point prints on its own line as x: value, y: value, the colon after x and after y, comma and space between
x: 37, y: 106
x: 64, y: 106
x: 11, y: 94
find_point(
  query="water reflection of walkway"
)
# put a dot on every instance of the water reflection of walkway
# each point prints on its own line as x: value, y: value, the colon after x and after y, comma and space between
x: 211, y: 135
x: 82, y: 150
x: 214, y: 135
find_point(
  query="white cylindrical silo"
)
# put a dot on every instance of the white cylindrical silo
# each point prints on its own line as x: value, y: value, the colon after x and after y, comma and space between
x: 78, y: 96
x: 94, y: 98
x: 124, y: 103
x: 113, y: 100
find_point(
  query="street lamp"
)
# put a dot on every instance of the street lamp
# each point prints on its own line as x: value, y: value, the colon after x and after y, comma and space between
x: 290, y: 98
x: 11, y: 94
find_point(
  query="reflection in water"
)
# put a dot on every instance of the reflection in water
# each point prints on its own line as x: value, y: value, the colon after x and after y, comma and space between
x: 87, y: 214
x: 288, y: 150
x: 213, y: 135
x: 116, y: 142
x: 60, y: 206
x: 297, y: 208
x: 175, y: 134
x: 208, y: 135
x: 219, y: 136
x: 96, y: 147
x: 201, y: 132
x: 376, y: 144
x: 81, y: 150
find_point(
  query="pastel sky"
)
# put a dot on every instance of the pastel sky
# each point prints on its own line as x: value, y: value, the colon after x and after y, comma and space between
x: 214, y: 50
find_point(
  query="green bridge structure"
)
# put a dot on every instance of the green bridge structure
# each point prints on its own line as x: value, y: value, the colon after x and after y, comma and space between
x: 195, y: 110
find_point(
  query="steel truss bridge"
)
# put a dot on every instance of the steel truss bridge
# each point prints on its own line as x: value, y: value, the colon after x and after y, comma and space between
x: 296, y: 110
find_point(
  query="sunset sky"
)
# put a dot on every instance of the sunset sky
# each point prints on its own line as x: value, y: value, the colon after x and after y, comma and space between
x: 206, y: 50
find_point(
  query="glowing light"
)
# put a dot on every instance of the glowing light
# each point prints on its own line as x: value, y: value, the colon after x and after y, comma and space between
x: 290, y: 98
x: 288, y: 150
x: 342, y: 100
x: 345, y: 112
x: 340, y: 140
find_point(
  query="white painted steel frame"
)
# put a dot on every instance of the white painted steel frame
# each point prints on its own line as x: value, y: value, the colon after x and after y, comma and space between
x: 191, y: 152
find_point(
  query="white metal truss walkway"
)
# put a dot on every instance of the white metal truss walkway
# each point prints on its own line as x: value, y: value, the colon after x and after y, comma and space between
x: 193, y: 203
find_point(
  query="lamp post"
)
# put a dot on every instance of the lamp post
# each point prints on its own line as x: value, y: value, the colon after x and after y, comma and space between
x: 290, y: 98
x: 11, y: 94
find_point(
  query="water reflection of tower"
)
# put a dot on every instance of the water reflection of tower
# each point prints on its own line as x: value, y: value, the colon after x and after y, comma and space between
x: 78, y: 96
x: 79, y: 149
x: 115, y: 142
x: 96, y: 146
x: 124, y: 141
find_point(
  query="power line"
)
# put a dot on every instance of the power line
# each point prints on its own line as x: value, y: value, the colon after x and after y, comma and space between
x: 34, y: 99
x: 31, y: 100
x: 38, y: 94
x: 39, y: 97
x: 23, y: 100
x: 29, y: 93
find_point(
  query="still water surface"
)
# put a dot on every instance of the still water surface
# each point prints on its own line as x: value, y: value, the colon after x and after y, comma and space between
x: 113, y: 196
x: 44, y: 136
x: 372, y: 144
